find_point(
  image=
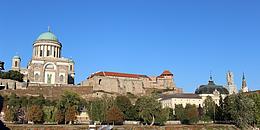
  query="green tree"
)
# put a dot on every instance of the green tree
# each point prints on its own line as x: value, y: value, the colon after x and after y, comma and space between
x: 11, y: 74
x: 220, y: 112
x: 23, y: 101
x: 13, y: 101
x: 49, y: 113
x: 132, y: 113
x: 241, y: 110
x: 162, y: 116
x: 147, y: 108
x: 97, y: 110
x: 171, y: 115
x: 69, y: 99
x: 256, y: 98
x: 16, y: 75
x: 179, y: 112
x: 39, y: 100
x: 99, y: 107
x: 191, y: 114
x: 114, y: 115
x: 209, y: 108
x: 124, y: 104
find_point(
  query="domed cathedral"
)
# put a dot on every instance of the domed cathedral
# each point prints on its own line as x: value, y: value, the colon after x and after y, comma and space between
x: 47, y: 66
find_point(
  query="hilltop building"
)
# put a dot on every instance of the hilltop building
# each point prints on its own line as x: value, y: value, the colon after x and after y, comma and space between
x: 244, y: 87
x: 123, y: 83
x: 212, y: 90
x: 183, y: 99
x: 231, y: 87
x: 47, y: 66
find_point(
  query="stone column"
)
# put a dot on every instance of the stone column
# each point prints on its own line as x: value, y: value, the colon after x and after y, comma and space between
x: 45, y: 50
x: 58, y: 52
x: 36, y: 51
x: 39, y: 50
x: 52, y: 51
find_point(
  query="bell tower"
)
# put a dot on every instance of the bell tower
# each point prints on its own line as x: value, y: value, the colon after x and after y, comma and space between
x: 244, y: 84
x: 16, y: 63
x: 231, y: 87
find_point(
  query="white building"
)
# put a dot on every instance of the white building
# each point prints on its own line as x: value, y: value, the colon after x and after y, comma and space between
x: 180, y: 99
x: 47, y: 66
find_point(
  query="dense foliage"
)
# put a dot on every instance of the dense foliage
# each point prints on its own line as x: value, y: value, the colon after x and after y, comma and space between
x: 243, y: 110
x: 14, y: 75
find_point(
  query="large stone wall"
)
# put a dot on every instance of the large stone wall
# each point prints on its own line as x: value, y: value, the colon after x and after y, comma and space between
x: 124, y: 85
x: 12, y: 84
x: 117, y: 85
x: 51, y: 92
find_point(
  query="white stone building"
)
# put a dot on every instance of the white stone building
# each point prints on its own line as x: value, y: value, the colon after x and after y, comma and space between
x: 47, y: 66
x: 212, y: 90
x: 180, y: 99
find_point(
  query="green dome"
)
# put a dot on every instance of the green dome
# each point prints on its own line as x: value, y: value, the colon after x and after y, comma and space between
x: 47, y: 36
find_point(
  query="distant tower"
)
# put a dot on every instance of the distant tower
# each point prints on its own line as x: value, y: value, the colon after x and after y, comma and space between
x: 231, y: 87
x: 244, y: 84
x: 166, y: 80
x: 16, y: 63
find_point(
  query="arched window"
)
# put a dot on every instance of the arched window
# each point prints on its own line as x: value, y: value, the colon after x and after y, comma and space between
x: 49, y: 66
x: 99, y: 82
x: 36, y: 77
x: 16, y: 64
x: 61, y: 78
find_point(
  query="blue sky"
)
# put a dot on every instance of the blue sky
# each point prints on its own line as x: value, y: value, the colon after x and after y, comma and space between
x: 188, y: 37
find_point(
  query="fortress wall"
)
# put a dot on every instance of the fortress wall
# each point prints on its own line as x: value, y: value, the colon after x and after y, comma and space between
x: 50, y: 92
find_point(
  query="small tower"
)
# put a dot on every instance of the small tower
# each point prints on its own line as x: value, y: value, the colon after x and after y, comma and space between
x: 16, y: 63
x: 71, y: 76
x: 244, y: 87
x: 166, y: 81
x: 231, y: 87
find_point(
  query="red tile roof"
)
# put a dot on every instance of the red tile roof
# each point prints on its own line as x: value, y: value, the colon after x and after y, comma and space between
x: 116, y: 74
x: 165, y: 73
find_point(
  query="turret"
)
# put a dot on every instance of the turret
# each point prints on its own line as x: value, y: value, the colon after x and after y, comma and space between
x: 244, y: 87
x: 71, y: 76
x: 230, y: 83
x: 16, y: 63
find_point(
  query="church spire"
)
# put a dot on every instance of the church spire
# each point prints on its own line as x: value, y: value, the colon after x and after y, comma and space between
x: 244, y: 84
x: 210, y: 76
x: 243, y: 76
x: 49, y: 28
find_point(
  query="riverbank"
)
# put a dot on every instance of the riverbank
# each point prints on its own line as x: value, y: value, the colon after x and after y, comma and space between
x: 124, y: 127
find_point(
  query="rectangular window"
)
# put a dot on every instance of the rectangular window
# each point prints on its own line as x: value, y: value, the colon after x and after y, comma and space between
x: 70, y: 67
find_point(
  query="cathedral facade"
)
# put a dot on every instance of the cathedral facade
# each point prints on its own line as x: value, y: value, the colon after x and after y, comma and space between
x: 47, y: 66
